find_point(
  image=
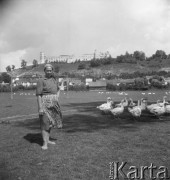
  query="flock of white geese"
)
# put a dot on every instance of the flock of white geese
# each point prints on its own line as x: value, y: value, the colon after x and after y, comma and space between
x: 158, y: 109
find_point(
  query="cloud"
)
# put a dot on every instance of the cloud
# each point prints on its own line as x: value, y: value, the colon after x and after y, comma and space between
x: 151, y: 18
x: 12, y: 58
x: 81, y: 26
x: 23, y: 29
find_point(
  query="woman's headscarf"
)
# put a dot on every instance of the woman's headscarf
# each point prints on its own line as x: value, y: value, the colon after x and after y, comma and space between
x: 48, y: 65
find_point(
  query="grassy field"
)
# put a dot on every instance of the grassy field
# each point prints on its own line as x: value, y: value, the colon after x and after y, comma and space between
x: 88, y: 142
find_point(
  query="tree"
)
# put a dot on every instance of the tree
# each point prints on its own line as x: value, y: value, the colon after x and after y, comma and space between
x: 81, y: 66
x: 160, y: 54
x: 107, y: 60
x: 13, y: 67
x: 94, y: 63
x: 23, y: 64
x: 127, y: 55
x: 56, y: 69
x: 1, y: 79
x: 139, y: 55
x: 5, y: 77
x: 120, y: 59
x: 128, y: 58
x: 35, y: 63
x: 8, y: 68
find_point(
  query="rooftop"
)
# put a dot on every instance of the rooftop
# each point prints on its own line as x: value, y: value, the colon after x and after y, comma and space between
x: 97, y: 84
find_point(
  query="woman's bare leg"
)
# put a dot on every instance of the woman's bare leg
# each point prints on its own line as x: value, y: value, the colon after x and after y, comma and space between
x: 50, y: 142
x: 45, y: 136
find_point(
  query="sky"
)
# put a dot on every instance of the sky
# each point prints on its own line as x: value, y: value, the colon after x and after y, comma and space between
x: 77, y: 27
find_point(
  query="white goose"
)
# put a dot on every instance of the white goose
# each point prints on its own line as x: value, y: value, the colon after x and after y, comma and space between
x: 149, y: 107
x: 123, y: 102
x: 118, y: 110
x: 167, y: 108
x: 136, y: 110
x: 143, y: 104
x: 158, y: 110
x: 164, y: 101
x: 158, y: 104
x: 106, y: 106
x: 131, y: 104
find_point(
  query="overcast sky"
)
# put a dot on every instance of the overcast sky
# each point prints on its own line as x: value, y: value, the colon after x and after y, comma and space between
x: 57, y: 27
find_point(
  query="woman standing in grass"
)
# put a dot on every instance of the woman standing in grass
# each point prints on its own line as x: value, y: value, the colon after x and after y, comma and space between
x: 50, y: 115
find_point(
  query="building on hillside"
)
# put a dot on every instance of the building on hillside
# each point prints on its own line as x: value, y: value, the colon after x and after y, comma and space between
x: 4, y: 84
x: 119, y: 81
x: 52, y: 59
x: 102, y: 55
x: 167, y: 80
x: 74, y: 81
x: 88, y: 80
x: 33, y: 82
x: 22, y: 82
x: 167, y: 69
x: 85, y: 57
x: 73, y: 58
x: 61, y: 58
x: 65, y: 58
x: 25, y: 81
x: 97, y: 85
x: 148, y: 77
x: 88, y: 57
x: 42, y: 58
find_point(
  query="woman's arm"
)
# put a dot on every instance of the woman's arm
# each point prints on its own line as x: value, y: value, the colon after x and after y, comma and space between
x: 58, y: 93
x: 39, y: 90
x: 58, y: 90
x: 40, y: 109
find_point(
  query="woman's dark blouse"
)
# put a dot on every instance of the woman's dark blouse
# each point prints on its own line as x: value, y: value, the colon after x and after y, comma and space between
x: 47, y: 86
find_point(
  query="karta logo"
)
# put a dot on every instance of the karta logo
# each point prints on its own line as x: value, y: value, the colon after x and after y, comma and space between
x: 123, y: 171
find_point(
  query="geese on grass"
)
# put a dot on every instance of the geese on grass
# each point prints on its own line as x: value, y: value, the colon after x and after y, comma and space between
x: 136, y: 110
x: 123, y: 102
x: 131, y: 103
x: 105, y: 108
x: 117, y: 110
x: 167, y: 108
x: 149, y: 107
x: 159, y: 110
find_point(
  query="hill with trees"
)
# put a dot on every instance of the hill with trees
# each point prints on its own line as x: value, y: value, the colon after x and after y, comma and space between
x: 123, y: 66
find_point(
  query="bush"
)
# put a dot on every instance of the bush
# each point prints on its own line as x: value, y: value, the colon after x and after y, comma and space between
x: 129, y: 86
x: 21, y: 87
x: 56, y: 68
x: 125, y: 86
x: 94, y: 63
x: 156, y: 83
x: 32, y: 87
x: 122, y: 86
x: 81, y: 66
x: 111, y: 87
x: 107, y: 61
x: 5, y: 88
x: 5, y: 77
x: 156, y: 77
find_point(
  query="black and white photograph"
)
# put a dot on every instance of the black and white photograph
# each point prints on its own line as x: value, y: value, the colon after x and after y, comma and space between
x: 84, y: 89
